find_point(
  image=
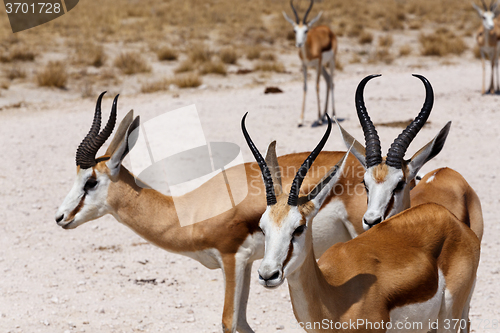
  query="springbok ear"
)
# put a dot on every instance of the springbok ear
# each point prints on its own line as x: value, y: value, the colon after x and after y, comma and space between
x: 274, y: 168
x: 320, y: 192
x: 428, y: 151
x: 357, y: 149
x: 314, y: 19
x: 479, y: 10
x: 289, y: 19
x: 123, y: 147
x: 120, y: 132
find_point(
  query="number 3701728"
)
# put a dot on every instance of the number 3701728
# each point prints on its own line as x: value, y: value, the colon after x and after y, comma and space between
x: 34, y: 8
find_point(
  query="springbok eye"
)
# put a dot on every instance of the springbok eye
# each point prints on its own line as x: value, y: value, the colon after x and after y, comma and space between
x: 299, y: 230
x: 400, y: 186
x: 90, y: 184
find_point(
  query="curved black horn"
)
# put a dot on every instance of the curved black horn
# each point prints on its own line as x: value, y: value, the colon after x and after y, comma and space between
x: 85, y: 154
x: 484, y: 5
x: 372, y: 141
x: 299, y: 177
x: 400, y: 145
x: 266, y: 174
x: 307, y: 12
x: 294, y: 12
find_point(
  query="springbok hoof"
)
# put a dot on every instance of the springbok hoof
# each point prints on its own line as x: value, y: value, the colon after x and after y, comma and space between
x: 300, y: 125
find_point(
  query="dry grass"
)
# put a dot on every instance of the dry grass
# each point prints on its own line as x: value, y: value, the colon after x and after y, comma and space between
x: 381, y: 54
x: 385, y: 41
x: 53, y: 75
x: 22, y: 53
x: 154, y: 86
x: 268, y: 56
x: 405, y: 50
x: 185, y: 66
x: 228, y: 56
x: 187, y: 80
x: 132, y: 63
x: 90, y: 54
x: 441, y: 43
x: 213, y: 67
x: 269, y: 66
x: 15, y: 72
x: 167, y: 54
x: 365, y: 37
x: 254, y: 53
x: 200, y: 53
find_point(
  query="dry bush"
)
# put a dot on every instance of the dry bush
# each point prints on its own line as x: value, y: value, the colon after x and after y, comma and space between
x: 254, y: 53
x: 415, y: 25
x: 167, y: 53
x: 440, y: 43
x: 188, y: 80
x: 381, y: 54
x: 365, y: 37
x: 4, y: 84
x: 53, y: 75
x: 213, y: 67
x: 355, y: 30
x: 228, y: 56
x: 90, y: 54
x: 22, y: 53
x: 270, y: 66
x: 385, y: 41
x: 405, y: 50
x: 268, y: 56
x: 15, y: 72
x: 355, y: 59
x: 132, y: 63
x: 477, y: 52
x: 185, y: 66
x: 200, y: 53
x: 154, y: 86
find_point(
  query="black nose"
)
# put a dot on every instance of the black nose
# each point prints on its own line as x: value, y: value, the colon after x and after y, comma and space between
x: 275, y: 275
x: 59, y: 218
x: 374, y: 222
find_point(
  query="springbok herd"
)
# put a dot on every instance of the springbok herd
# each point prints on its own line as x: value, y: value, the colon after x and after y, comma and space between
x: 399, y: 255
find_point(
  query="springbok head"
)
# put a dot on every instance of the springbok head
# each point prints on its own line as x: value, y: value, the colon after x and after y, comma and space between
x: 87, y: 199
x: 487, y: 13
x: 286, y: 223
x: 386, y: 179
x: 301, y: 28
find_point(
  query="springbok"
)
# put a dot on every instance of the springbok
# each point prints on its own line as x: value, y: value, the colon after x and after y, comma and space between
x: 387, y: 179
x: 318, y: 46
x: 414, y: 271
x: 488, y: 40
x: 232, y: 240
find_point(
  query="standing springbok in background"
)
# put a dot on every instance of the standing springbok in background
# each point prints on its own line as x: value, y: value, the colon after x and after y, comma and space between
x: 232, y: 240
x: 318, y: 46
x: 488, y: 40
x: 416, y: 269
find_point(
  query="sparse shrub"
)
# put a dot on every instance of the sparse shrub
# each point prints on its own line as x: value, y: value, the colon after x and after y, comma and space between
x: 415, y: 25
x: 53, y: 75
x: 365, y: 37
x: 22, y: 53
x: 154, y: 86
x: 405, y: 50
x: 90, y: 54
x: 268, y: 56
x: 228, y: 56
x: 381, y: 54
x: 477, y: 52
x: 355, y: 59
x: 132, y: 63
x: 185, y: 66
x: 253, y: 53
x: 15, y: 72
x: 187, y: 80
x: 167, y: 53
x: 200, y: 53
x: 213, y: 67
x: 270, y: 66
x: 441, y: 43
x: 4, y: 84
x: 355, y: 30
x: 385, y: 41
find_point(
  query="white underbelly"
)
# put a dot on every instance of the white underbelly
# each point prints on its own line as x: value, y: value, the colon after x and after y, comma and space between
x: 325, y: 58
x: 418, y: 317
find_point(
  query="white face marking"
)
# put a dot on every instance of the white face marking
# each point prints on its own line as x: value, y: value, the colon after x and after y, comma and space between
x: 86, y: 196
x: 278, y: 239
x: 380, y: 195
x: 300, y: 34
x: 488, y: 22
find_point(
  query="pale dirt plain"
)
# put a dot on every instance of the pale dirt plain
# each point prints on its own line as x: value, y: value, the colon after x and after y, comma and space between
x: 84, y: 280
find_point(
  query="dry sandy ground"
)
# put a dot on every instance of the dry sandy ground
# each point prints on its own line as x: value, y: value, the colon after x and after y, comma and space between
x: 84, y: 280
